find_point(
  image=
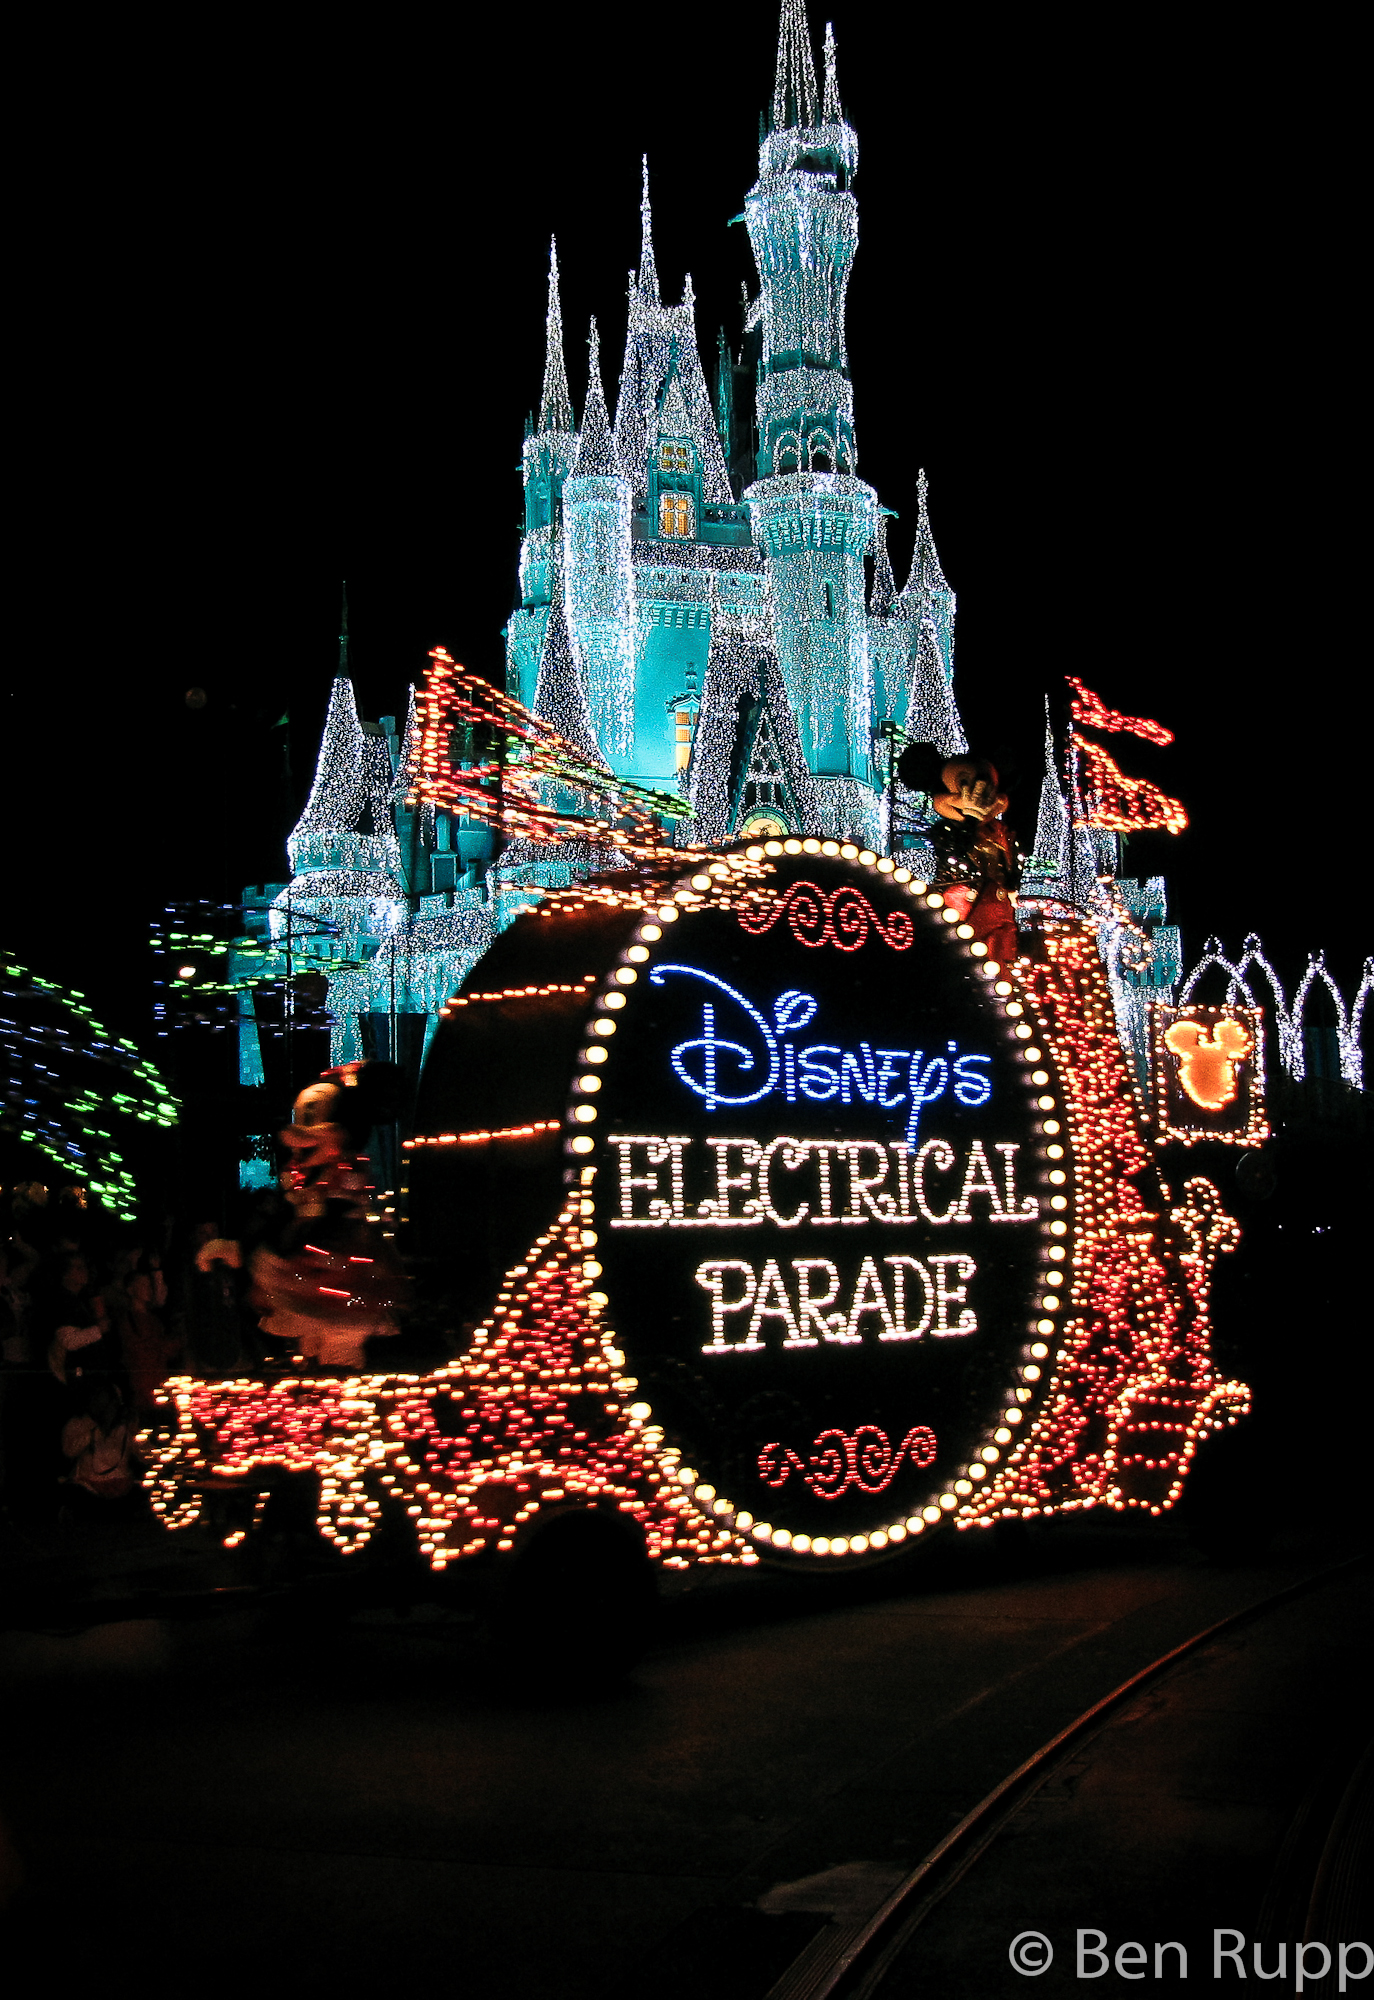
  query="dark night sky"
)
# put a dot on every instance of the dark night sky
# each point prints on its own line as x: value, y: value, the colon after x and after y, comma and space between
x: 285, y: 318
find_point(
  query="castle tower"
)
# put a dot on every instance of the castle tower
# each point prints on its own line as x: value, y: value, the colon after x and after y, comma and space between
x: 813, y: 518
x: 599, y: 584
x: 926, y: 706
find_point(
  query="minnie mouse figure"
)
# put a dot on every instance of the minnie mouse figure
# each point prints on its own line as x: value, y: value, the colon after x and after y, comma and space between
x: 977, y: 865
x: 323, y: 1277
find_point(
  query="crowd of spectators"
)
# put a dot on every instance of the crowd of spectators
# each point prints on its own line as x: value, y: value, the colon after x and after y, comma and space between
x: 94, y: 1317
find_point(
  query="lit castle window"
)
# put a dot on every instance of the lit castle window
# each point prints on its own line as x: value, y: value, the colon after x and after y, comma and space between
x: 674, y: 458
x: 685, y: 719
x: 675, y: 512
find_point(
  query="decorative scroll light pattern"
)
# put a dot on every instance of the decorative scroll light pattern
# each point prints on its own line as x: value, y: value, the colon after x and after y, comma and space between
x: 537, y: 1412
x: 844, y: 918
x: 839, y: 1460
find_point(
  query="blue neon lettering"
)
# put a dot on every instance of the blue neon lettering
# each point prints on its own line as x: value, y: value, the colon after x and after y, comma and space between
x: 889, y: 1061
x: 970, y: 1086
x: 793, y: 1010
x: 925, y: 1087
x: 710, y: 1044
x: 819, y: 1080
x: 859, y: 1068
x: 714, y: 1064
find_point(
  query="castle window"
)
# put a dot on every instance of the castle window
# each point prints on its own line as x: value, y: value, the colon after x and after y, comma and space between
x: 675, y: 516
x: 685, y: 722
x: 674, y: 458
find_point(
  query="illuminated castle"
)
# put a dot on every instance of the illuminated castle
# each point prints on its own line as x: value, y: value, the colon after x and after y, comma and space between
x: 694, y: 610
x: 694, y: 604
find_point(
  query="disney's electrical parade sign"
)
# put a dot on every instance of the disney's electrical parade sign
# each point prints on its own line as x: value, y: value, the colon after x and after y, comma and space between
x: 822, y: 1198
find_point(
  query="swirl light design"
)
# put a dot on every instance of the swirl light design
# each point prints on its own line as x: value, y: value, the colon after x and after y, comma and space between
x: 839, y: 1460
x: 843, y: 918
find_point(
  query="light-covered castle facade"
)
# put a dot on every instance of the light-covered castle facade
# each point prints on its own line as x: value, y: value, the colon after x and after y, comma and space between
x: 694, y: 602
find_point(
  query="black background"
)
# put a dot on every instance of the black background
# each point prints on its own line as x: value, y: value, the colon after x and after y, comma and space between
x: 278, y: 291
x: 722, y: 1408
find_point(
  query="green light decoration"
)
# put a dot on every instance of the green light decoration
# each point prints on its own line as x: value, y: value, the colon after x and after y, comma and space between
x: 67, y: 1080
x: 208, y: 967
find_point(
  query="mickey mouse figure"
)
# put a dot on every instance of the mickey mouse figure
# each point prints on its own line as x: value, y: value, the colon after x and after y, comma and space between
x: 977, y: 864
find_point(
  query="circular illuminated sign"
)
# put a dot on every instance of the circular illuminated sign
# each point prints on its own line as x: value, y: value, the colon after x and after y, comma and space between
x: 814, y: 1136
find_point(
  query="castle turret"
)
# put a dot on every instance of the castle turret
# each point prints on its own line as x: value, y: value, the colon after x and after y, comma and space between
x: 550, y: 447
x: 599, y: 587
x: 926, y: 607
x: 559, y: 695
x: 661, y: 341
x: 812, y: 516
x: 926, y: 596
x: 344, y: 843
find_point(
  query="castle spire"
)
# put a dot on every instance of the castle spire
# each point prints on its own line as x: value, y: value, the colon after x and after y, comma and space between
x: 648, y: 270
x: 339, y: 792
x: 883, y: 596
x: 831, y: 114
x: 555, y: 405
x: 559, y: 696
x: 926, y: 576
x: 794, y: 90
x: 343, y: 637
x: 595, y: 451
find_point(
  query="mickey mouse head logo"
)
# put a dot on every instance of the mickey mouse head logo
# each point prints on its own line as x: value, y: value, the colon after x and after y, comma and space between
x: 1208, y: 1063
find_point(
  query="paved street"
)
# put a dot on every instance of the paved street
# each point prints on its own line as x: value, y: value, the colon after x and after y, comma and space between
x: 358, y: 1804
x: 1172, y: 1823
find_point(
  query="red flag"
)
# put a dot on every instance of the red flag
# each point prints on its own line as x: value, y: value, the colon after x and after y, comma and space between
x: 1090, y: 710
x: 1120, y: 804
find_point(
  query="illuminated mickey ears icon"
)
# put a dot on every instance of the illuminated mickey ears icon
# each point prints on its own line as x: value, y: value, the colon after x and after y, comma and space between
x: 793, y: 1010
